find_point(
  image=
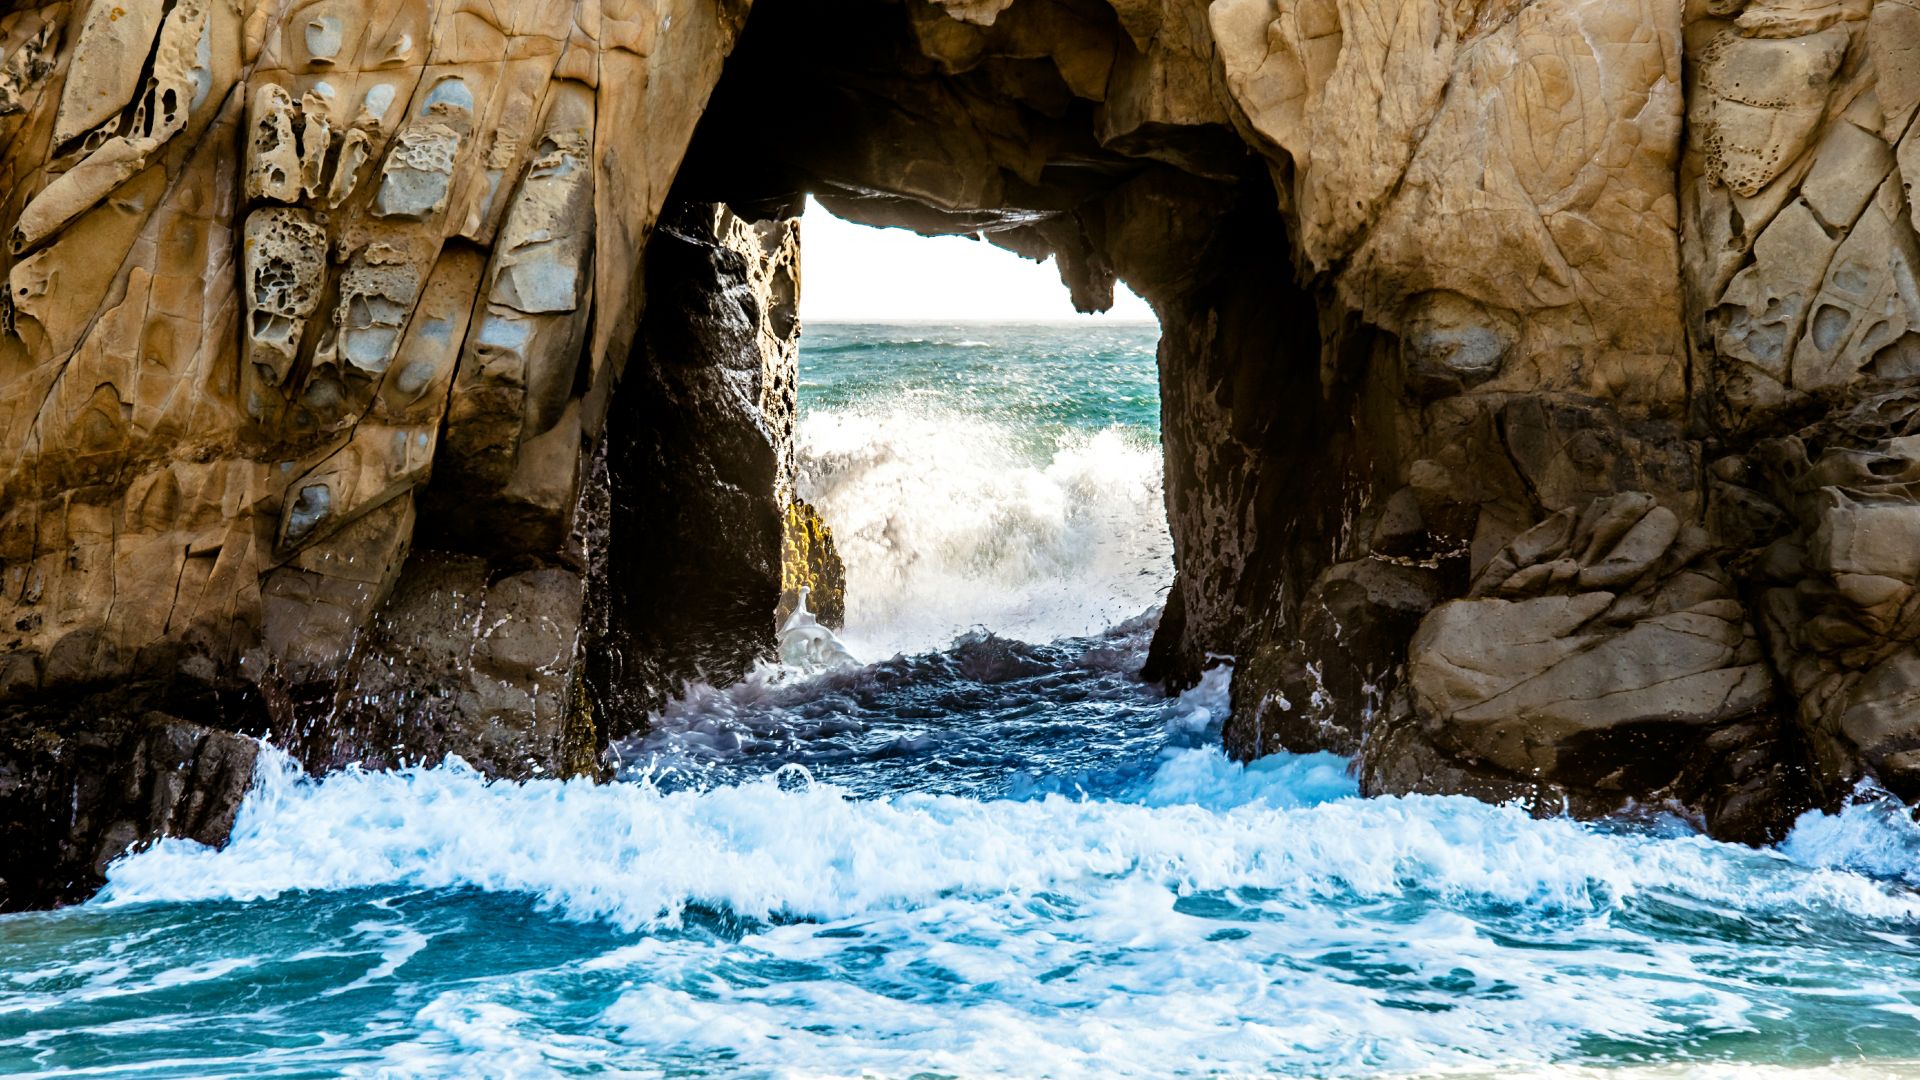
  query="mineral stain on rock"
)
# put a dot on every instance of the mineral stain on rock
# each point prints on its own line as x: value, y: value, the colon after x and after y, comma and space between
x: 809, y: 560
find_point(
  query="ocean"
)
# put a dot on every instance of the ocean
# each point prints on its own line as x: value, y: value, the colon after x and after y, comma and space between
x: 987, y: 852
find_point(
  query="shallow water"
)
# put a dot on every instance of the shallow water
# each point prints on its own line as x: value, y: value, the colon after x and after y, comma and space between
x: 989, y: 858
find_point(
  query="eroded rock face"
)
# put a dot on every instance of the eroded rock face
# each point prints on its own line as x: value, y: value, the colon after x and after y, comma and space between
x: 1650, y: 473
x: 1835, y: 589
x: 273, y: 267
x: 1595, y: 657
x: 313, y: 321
x: 1490, y: 458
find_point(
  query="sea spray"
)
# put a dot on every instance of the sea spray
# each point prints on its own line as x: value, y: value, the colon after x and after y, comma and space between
x: 1006, y: 478
x: 948, y: 521
x: 1873, y: 834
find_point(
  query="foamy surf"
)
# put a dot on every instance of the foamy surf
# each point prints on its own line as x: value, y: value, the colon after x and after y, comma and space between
x: 1219, y: 919
x: 1151, y: 909
x: 997, y: 477
x: 948, y: 521
x: 1292, y: 828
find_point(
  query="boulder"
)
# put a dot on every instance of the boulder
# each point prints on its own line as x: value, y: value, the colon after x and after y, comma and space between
x: 1602, y: 658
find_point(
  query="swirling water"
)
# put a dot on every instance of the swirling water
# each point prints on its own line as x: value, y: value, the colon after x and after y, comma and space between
x: 978, y: 855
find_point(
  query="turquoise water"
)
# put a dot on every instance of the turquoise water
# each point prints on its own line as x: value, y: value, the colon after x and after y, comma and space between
x: 998, y: 856
x: 1040, y: 380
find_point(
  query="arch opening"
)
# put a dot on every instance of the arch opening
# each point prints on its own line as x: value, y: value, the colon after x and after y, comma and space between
x: 1026, y: 149
x: 987, y: 458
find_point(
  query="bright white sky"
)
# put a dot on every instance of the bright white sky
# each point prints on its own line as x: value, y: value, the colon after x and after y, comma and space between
x: 853, y: 273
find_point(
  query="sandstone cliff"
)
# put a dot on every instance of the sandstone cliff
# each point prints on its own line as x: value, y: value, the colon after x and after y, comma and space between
x: 1539, y: 378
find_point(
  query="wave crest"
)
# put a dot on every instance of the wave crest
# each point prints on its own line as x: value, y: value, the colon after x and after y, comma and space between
x: 1290, y: 830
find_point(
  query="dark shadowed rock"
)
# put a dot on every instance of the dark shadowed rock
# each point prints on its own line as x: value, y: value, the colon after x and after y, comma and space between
x: 703, y: 531
x: 81, y: 787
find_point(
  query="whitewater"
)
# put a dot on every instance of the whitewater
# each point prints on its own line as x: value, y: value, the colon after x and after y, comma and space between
x: 989, y: 851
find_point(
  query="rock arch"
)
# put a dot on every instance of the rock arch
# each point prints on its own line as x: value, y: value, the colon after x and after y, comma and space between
x: 1538, y: 378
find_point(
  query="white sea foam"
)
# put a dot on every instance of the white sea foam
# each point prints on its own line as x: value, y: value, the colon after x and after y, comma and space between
x: 1874, y: 835
x: 1233, y: 918
x: 625, y: 852
x: 948, y: 520
x: 1062, y: 928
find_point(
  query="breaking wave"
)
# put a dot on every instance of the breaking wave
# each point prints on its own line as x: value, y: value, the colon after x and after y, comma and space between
x: 949, y: 520
x: 1210, y: 917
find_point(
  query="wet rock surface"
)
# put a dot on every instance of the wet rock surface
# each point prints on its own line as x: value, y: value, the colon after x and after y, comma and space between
x: 84, y: 779
x: 810, y: 560
x: 700, y: 469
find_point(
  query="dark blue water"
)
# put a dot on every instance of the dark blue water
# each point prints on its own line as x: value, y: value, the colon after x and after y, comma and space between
x: 989, y: 857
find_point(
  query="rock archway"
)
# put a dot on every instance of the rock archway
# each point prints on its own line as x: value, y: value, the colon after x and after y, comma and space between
x: 1059, y: 130
x: 1538, y: 392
